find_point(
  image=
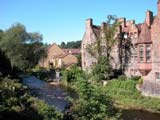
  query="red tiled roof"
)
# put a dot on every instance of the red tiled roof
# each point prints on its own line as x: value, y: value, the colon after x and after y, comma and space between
x: 145, y: 35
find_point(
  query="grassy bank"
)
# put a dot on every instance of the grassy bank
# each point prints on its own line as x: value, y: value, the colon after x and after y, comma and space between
x: 125, y: 95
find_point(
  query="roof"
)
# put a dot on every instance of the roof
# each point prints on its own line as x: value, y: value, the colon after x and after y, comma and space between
x: 139, y: 26
x: 72, y: 51
x: 145, y: 35
x: 96, y: 30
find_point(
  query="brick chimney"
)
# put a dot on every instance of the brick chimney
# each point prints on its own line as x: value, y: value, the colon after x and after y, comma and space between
x: 149, y: 18
x: 89, y: 23
x: 103, y: 24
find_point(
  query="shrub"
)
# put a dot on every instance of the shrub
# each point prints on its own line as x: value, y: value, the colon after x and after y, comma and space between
x: 136, y: 78
x: 122, y: 77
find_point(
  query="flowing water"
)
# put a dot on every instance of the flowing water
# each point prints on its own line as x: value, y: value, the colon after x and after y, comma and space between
x: 52, y: 95
x: 56, y: 96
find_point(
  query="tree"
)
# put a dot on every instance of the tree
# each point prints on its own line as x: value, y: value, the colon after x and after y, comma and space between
x: 5, y: 65
x: 93, y: 103
x: 102, y: 70
x: 125, y: 46
x: 18, y: 44
x: 101, y: 49
x: 63, y: 45
x: 72, y: 44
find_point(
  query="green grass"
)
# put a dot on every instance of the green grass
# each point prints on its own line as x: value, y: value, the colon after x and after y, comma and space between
x: 125, y: 95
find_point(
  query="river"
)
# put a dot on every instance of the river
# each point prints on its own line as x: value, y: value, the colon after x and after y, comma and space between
x: 55, y: 96
x: 52, y: 95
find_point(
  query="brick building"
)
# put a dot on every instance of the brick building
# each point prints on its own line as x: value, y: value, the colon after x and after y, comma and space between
x: 57, y: 58
x: 144, y: 58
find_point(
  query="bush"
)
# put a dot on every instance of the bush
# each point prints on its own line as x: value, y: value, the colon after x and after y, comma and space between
x: 72, y: 74
x: 136, y: 78
x: 122, y: 77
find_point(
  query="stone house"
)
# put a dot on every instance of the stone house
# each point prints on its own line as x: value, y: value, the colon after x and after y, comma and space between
x: 144, y: 58
x: 57, y: 58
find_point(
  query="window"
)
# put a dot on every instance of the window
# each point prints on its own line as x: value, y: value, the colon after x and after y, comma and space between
x: 157, y: 75
x: 135, y: 58
x: 141, y: 53
x: 148, y: 53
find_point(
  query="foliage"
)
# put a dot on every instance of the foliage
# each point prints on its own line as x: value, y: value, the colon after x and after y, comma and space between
x: 21, y: 47
x: 93, y: 103
x: 16, y: 104
x: 136, y: 78
x: 48, y: 112
x: 105, y: 42
x: 72, y: 44
x: 70, y: 75
x: 122, y: 77
x: 125, y: 94
x: 101, y: 50
x: 102, y: 70
x: 79, y: 60
x: 5, y: 65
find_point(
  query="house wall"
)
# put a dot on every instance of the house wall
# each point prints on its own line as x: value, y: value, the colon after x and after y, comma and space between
x: 69, y: 59
x: 89, y: 38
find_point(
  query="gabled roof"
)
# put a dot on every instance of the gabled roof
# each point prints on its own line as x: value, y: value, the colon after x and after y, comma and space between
x: 96, y: 30
x: 54, y: 50
x: 145, y: 35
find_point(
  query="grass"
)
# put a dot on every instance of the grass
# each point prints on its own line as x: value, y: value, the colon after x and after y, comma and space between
x: 125, y: 95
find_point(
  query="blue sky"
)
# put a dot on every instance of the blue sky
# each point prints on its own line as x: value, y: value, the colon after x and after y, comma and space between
x: 64, y: 20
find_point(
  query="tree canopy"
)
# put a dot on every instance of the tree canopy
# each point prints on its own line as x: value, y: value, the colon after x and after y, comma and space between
x: 72, y: 44
x: 21, y: 47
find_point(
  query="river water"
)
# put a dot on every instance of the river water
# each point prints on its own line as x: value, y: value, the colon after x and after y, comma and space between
x: 56, y: 96
x: 52, y: 95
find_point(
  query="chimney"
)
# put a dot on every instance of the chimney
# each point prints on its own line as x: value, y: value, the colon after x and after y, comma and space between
x: 89, y: 23
x: 130, y: 22
x: 122, y: 22
x: 103, y: 25
x: 158, y: 5
x: 149, y: 18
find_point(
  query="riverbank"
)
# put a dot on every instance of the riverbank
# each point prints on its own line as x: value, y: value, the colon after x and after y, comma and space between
x: 17, y: 104
x: 126, y: 96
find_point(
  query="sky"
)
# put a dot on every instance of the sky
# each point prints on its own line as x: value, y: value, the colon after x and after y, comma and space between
x: 64, y: 20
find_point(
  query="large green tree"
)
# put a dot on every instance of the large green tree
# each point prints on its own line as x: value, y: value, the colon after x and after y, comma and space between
x: 21, y: 47
x: 72, y: 44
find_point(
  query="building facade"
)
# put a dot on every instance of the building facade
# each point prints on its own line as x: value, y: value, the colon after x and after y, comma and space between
x: 57, y: 58
x: 144, y: 57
